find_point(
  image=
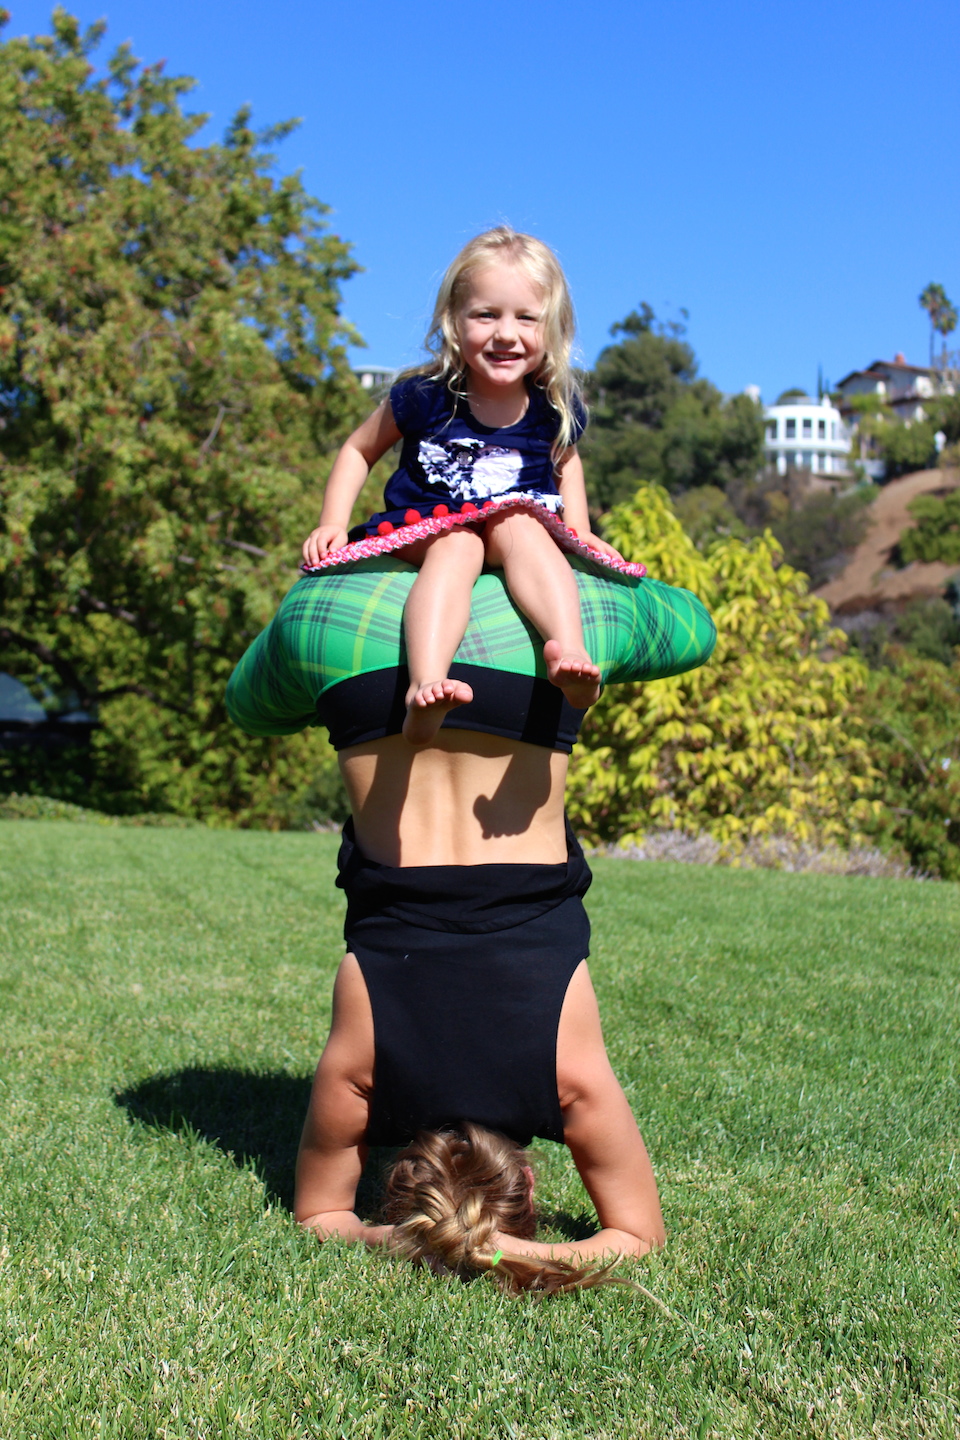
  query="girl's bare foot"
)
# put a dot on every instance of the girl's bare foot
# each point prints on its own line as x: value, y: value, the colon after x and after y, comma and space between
x: 427, y: 706
x: 574, y: 673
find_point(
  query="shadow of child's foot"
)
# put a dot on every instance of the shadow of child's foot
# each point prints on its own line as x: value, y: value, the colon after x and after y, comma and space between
x: 573, y: 672
x: 427, y: 707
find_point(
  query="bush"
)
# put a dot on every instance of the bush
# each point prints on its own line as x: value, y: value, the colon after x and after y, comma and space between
x: 760, y: 740
x: 928, y: 628
x: 817, y: 534
x: 912, y: 713
x: 936, y: 535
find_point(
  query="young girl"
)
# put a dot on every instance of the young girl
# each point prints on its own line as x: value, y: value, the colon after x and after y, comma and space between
x: 489, y: 459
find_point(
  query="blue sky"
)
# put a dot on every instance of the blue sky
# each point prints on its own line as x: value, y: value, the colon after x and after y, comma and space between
x: 786, y: 171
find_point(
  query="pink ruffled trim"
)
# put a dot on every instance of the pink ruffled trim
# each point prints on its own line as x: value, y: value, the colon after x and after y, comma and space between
x: 396, y: 537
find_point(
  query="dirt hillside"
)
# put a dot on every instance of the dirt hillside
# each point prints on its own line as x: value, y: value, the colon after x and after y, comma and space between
x: 869, y: 581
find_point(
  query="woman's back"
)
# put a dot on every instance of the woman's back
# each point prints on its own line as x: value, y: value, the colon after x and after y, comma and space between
x: 469, y: 799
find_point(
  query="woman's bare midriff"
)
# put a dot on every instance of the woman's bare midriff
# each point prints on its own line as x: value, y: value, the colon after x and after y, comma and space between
x: 467, y: 799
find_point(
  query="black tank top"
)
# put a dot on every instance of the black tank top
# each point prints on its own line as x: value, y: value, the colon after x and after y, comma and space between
x: 467, y: 967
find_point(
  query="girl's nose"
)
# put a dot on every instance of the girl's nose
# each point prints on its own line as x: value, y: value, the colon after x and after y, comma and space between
x: 506, y: 327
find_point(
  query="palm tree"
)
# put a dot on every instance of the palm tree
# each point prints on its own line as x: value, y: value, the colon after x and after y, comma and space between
x: 946, y: 321
x: 942, y: 312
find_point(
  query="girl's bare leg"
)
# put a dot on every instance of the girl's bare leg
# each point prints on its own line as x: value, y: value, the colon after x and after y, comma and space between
x: 545, y: 588
x: 435, y: 618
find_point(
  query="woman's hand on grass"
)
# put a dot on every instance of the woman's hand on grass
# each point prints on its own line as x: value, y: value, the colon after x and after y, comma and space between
x: 605, y: 1245
x: 346, y: 1225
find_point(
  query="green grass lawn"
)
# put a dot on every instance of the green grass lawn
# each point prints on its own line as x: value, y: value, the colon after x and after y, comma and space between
x: 789, y: 1044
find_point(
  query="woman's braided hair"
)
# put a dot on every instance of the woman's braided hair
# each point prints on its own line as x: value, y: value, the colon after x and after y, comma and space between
x: 448, y: 1194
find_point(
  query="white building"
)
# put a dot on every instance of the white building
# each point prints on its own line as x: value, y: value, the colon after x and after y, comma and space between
x: 806, y: 434
x: 905, y: 389
x: 901, y: 386
x: 374, y: 377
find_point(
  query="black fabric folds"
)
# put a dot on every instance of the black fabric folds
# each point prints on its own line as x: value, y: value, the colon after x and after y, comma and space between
x: 467, y: 967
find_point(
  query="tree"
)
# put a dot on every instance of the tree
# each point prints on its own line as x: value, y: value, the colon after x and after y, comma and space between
x: 911, y: 712
x: 903, y: 445
x: 173, y: 380
x: 942, y: 312
x: 818, y: 533
x: 936, y: 535
x: 759, y: 740
x: 652, y: 419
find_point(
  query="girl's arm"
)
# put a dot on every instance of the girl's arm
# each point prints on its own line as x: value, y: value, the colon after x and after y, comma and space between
x: 353, y: 464
x: 573, y: 493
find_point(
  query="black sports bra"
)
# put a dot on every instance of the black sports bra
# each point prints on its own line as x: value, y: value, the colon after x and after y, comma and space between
x: 519, y: 707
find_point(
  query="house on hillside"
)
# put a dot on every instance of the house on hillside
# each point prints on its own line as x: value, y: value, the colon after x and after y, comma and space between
x: 904, y: 388
x: 901, y: 386
x: 806, y: 434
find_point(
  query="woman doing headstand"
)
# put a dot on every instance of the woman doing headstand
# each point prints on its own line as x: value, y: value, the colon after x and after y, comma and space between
x: 464, y: 1018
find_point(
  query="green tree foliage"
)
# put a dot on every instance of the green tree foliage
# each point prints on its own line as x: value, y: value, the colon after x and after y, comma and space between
x: 172, y: 381
x: 653, y: 420
x: 903, y: 446
x: 946, y: 416
x: 818, y: 534
x: 936, y: 535
x: 761, y: 739
x: 706, y: 514
x: 911, y: 713
x: 906, y: 448
x: 927, y: 627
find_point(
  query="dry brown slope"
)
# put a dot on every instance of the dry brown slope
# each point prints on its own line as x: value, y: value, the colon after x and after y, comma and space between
x: 869, y: 581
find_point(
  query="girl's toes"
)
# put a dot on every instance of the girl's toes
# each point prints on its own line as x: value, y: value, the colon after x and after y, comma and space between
x: 425, y: 711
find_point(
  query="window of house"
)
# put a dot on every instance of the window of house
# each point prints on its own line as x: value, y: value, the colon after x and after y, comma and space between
x: 833, y: 429
x: 807, y: 460
x: 791, y: 429
x: 771, y: 429
x: 821, y: 429
x: 808, y: 429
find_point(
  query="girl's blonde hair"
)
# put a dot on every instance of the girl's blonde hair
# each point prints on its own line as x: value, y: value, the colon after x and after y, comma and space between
x: 451, y: 1190
x: 505, y: 246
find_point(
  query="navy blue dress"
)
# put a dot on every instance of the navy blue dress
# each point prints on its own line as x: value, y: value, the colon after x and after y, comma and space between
x: 449, y: 459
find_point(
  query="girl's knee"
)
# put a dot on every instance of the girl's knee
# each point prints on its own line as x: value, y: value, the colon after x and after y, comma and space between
x: 512, y: 527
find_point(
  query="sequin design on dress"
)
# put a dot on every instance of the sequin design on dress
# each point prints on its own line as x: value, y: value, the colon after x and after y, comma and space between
x: 472, y: 470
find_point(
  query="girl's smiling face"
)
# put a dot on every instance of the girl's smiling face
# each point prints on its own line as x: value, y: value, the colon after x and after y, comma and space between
x: 500, y: 329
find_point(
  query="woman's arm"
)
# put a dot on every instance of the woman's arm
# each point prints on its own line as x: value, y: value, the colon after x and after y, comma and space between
x: 573, y: 493
x: 332, y: 1148
x: 353, y: 464
x: 346, y: 1225
x: 602, y: 1135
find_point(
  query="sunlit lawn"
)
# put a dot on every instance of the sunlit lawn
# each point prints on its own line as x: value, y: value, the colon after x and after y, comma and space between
x: 789, y: 1043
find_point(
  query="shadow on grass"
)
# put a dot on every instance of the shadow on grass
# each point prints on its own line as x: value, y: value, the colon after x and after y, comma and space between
x: 571, y: 1227
x: 256, y: 1119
